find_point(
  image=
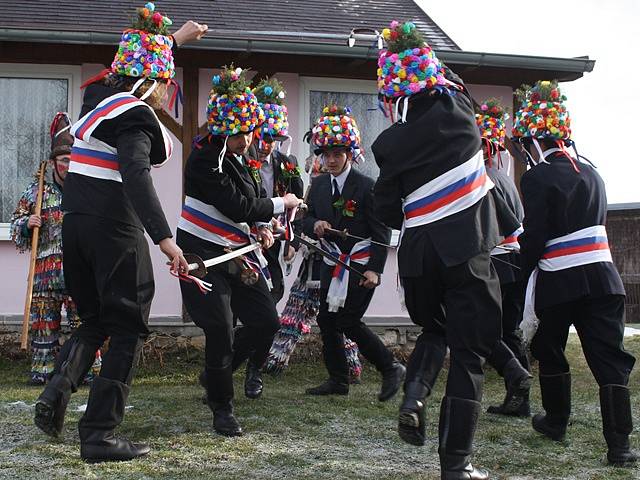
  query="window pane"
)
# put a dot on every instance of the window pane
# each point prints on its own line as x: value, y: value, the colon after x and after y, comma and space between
x: 28, y: 106
x: 369, y: 118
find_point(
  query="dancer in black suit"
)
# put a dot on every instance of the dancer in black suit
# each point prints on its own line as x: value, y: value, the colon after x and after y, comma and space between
x: 572, y: 278
x: 343, y: 198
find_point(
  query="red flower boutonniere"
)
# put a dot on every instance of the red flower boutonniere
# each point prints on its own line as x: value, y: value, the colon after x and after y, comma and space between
x: 346, y: 207
x: 289, y: 170
x: 254, y: 169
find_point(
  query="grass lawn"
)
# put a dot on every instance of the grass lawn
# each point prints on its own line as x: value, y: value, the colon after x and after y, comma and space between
x: 290, y: 435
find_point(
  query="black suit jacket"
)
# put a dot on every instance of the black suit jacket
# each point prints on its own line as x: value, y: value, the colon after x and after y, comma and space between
x: 558, y: 201
x: 364, y: 223
x: 507, y: 263
x: 234, y: 192
x: 440, y: 133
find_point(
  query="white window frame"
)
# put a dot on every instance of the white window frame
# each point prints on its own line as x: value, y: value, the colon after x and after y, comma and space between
x: 341, y: 85
x: 71, y: 73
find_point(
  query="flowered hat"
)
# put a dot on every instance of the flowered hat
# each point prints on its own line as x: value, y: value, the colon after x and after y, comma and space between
x: 270, y: 94
x: 491, y: 119
x: 408, y: 65
x: 145, y: 49
x: 542, y: 113
x: 336, y: 128
x: 232, y: 108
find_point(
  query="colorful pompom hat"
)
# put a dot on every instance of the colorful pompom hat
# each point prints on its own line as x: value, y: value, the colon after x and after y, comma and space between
x: 491, y: 119
x: 145, y: 49
x: 543, y: 115
x: 270, y: 94
x: 336, y: 128
x: 232, y: 108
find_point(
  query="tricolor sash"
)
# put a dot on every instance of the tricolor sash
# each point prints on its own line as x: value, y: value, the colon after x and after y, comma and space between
x: 510, y: 243
x: 448, y: 194
x: 339, y: 286
x: 93, y: 158
x: 208, y: 223
x: 583, y: 247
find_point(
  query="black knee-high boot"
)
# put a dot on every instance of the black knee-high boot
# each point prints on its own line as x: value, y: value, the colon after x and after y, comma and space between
x: 72, y: 363
x: 556, y: 400
x: 458, y: 420
x: 423, y: 368
x: 219, y: 385
x: 105, y: 411
x: 617, y: 424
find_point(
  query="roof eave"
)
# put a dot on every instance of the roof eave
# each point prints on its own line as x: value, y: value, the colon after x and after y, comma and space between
x: 306, y: 43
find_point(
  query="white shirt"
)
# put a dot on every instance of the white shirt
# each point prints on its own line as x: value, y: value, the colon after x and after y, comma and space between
x: 341, y: 179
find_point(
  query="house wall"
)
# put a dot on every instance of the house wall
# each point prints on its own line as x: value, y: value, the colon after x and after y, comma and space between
x: 167, y: 307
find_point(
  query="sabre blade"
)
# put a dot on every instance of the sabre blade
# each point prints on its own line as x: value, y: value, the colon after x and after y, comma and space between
x: 227, y: 256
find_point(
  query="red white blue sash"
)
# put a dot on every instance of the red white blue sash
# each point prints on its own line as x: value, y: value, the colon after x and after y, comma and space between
x: 589, y: 245
x: 509, y: 244
x: 583, y: 247
x: 93, y: 158
x: 339, y: 286
x: 207, y: 222
x: 448, y: 194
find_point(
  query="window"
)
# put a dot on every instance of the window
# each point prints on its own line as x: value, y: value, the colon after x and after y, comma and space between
x: 30, y: 96
x: 361, y: 96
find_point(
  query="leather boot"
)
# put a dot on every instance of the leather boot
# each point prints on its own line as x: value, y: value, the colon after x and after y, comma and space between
x: 518, y: 383
x: 329, y: 387
x: 253, y: 381
x: 412, y: 419
x: 458, y: 420
x: 224, y: 421
x: 105, y: 411
x: 617, y: 424
x: 202, y: 380
x: 392, y: 379
x: 556, y: 400
x: 73, y: 361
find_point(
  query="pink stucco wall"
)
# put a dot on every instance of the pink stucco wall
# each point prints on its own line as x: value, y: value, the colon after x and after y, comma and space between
x: 168, y: 180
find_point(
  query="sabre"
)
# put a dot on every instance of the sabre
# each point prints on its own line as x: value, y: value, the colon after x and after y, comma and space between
x: 345, y: 234
x: 508, y: 249
x: 198, y: 267
x: 496, y: 257
x: 317, y: 249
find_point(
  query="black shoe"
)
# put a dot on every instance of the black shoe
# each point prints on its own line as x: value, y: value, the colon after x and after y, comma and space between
x: 253, y: 381
x: 412, y: 422
x: 467, y: 472
x: 329, y: 387
x: 514, y: 405
x: 542, y: 424
x: 112, y: 449
x: 615, y: 405
x: 224, y: 421
x: 392, y: 379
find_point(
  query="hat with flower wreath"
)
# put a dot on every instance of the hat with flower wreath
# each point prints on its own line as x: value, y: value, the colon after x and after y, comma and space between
x: 270, y: 94
x: 542, y: 113
x: 336, y: 128
x: 232, y: 107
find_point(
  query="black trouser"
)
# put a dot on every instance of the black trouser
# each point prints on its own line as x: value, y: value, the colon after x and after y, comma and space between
x: 348, y: 321
x: 108, y: 272
x: 277, y: 278
x: 460, y: 305
x: 600, y: 326
x: 214, y: 313
x: 511, y: 345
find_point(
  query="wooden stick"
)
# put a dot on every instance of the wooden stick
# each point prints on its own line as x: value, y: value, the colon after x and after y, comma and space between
x: 24, y: 339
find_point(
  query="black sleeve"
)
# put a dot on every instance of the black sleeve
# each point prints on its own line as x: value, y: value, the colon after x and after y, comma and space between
x: 296, y: 185
x: 133, y: 142
x: 379, y: 233
x: 535, y: 223
x: 387, y: 197
x: 218, y: 189
x: 310, y: 217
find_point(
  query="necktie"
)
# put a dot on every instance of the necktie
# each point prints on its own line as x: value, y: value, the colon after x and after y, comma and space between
x: 336, y: 192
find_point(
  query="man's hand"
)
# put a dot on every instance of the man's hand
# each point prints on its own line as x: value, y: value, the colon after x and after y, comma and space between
x: 372, y: 281
x: 189, y: 32
x: 174, y: 253
x: 34, y: 221
x: 319, y: 228
x: 291, y: 201
x: 288, y: 256
x: 265, y: 237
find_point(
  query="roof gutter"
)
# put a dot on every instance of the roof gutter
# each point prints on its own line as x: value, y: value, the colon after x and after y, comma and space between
x: 308, y: 43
